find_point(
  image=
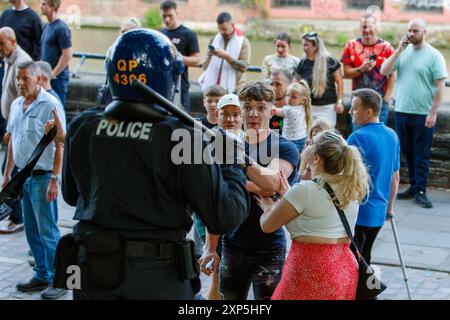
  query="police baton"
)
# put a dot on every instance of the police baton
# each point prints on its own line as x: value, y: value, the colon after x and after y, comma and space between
x: 184, y: 117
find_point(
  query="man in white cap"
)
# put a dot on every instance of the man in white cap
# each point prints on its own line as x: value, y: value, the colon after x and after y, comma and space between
x: 229, y: 115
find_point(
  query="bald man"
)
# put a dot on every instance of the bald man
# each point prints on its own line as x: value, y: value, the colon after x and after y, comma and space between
x: 421, y: 73
x: 12, y: 55
x: 27, y: 25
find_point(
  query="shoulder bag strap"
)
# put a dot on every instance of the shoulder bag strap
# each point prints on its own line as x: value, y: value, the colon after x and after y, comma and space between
x: 13, y: 188
x: 344, y: 220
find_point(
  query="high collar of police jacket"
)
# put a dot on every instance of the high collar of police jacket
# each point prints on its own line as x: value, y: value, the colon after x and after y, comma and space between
x: 135, y: 111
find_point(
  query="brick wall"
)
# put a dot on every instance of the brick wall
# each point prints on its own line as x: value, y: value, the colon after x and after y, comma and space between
x: 207, y: 10
x: 115, y: 10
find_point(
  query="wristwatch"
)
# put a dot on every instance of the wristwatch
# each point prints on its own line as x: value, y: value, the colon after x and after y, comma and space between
x: 54, y: 177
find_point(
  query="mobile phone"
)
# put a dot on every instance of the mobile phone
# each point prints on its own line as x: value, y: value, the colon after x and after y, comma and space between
x: 211, y: 47
x: 373, y: 57
x: 405, y: 43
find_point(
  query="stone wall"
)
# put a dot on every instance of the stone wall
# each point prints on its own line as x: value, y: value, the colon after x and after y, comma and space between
x: 83, y: 93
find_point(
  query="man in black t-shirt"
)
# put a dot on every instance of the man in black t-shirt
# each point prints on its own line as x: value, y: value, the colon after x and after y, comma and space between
x: 26, y: 24
x: 186, y: 42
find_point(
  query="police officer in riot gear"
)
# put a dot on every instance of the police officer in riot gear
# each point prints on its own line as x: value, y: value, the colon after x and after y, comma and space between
x: 133, y: 202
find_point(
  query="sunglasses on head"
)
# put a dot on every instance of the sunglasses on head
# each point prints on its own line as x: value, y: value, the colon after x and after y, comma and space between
x: 311, y: 35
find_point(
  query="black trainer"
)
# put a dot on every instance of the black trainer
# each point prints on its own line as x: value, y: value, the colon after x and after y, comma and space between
x: 407, y: 194
x: 53, y: 293
x: 32, y: 285
x: 422, y: 200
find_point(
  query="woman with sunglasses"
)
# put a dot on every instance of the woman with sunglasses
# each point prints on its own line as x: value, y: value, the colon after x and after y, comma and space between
x: 281, y: 59
x: 324, y: 77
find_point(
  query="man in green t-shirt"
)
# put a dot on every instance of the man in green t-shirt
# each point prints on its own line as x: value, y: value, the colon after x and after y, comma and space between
x: 421, y: 73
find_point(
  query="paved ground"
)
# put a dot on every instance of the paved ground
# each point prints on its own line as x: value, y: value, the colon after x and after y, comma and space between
x: 424, y: 236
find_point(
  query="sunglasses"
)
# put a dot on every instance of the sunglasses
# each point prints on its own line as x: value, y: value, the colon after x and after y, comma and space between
x: 311, y: 35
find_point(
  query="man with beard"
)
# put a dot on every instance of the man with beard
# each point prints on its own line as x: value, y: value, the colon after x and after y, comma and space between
x: 280, y: 80
x: 421, y: 78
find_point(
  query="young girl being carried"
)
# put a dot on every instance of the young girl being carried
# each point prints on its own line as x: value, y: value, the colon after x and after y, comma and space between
x: 296, y: 114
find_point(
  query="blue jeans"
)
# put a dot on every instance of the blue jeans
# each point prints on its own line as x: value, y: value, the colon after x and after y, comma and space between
x: 61, y: 86
x: 239, y: 268
x: 40, y: 218
x: 415, y: 144
x: 384, y: 116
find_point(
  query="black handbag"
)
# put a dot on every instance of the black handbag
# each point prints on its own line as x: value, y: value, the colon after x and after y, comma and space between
x: 369, y: 285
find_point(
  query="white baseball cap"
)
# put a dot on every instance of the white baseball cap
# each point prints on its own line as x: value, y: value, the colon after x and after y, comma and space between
x: 228, y: 100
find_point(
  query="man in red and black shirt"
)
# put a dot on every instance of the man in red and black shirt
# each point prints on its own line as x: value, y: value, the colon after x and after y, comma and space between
x: 362, y: 59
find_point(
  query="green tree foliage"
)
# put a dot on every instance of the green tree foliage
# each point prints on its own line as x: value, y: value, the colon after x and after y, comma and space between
x: 152, y: 19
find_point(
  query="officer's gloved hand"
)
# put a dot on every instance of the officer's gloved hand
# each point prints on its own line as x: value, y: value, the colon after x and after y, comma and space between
x: 229, y: 148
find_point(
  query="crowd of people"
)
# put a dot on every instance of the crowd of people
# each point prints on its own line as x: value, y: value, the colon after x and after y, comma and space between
x: 308, y: 95
x: 292, y: 109
x: 35, y: 79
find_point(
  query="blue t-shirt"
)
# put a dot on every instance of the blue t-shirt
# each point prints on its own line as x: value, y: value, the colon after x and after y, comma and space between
x: 380, y: 148
x: 417, y: 71
x: 55, y: 37
x: 249, y: 234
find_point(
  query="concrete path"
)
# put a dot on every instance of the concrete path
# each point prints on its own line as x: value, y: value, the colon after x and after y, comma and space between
x: 424, y: 236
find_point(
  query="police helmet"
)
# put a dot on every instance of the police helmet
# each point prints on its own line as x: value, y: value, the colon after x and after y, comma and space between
x: 143, y: 54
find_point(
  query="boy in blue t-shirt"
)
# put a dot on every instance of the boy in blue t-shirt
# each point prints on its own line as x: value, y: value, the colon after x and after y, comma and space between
x: 380, y: 148
x: 250, y: 256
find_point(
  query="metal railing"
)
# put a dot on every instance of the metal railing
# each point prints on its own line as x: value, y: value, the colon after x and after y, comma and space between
x: 83, y: 56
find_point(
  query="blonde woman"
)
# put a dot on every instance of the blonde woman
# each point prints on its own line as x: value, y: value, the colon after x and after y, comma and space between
x: 320, y: 264
x: 323, y: 74
x: 282, y: 59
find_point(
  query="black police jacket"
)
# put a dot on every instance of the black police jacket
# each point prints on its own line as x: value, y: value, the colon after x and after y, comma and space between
x: 120, y: 176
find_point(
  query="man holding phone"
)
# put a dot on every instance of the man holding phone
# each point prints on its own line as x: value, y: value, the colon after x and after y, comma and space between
x: 362, y: 59
x: 228, y: 57
x: 421, y: 78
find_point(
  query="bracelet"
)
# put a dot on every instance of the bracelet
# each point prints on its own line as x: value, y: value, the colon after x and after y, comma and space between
x: 358, y: 70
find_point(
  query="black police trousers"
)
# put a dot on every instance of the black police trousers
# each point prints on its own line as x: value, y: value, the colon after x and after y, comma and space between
x: 144, y: 279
